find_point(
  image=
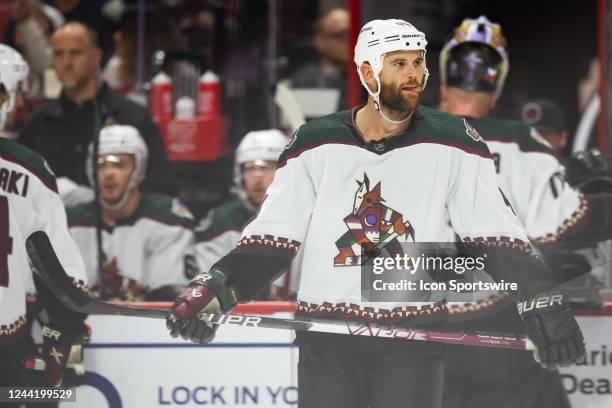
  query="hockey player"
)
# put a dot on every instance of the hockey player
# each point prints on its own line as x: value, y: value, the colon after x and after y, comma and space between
x: 254, y: 168
x: 473, y: 67
x: 29, y: 202
x: 337, y: 170
x: 147, y: 238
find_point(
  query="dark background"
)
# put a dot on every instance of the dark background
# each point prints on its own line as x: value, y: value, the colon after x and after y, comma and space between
x: 550, y: 42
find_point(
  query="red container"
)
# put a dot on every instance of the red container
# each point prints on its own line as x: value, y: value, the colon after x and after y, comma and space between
x: 161, y: 96
x: 209, y: 95
x: 196, y: 139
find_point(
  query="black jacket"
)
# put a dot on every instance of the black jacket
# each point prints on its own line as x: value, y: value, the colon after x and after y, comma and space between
x: 62, y: 131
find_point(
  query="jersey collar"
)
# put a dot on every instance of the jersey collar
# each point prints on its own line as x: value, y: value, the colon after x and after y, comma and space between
x: 385, y: 145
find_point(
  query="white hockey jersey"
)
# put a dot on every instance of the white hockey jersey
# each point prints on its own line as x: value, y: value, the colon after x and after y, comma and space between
x: 29, y: 202
x: 333, y: 194
x: 152, y: 246
x: 532, y: 179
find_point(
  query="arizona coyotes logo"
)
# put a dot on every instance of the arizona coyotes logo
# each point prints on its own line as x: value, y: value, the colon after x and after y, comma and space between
x: 372, y: 227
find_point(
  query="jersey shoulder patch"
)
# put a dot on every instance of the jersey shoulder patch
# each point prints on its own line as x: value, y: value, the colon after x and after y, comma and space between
x: 316, y: 132
x: 29, y: 160
x: 513, y: 131
x: 446, y: 129
x: 165, y: 209
x: 231, y: 216
x: 81, y: 215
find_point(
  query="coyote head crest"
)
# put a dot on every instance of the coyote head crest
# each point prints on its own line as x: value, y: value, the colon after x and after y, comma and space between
x: 366, y: 198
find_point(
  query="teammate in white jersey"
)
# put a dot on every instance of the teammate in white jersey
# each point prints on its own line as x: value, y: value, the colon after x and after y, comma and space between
x: 350, y: 185
x: 147, y: 238
x: 29, y: 202
x: 473, y: 67
x: 254, y: 167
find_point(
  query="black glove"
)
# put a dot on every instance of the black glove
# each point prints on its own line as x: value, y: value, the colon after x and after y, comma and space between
x: 55, y: 351
x: 553, y: 329
x: 207, y: 293
x: 38, y: 373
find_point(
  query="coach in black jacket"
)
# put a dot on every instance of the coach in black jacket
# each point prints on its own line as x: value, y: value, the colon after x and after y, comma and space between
x: 62, y: 130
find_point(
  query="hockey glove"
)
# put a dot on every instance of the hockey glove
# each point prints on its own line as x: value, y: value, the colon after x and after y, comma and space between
x: 207, y: 293
x: 55, y: 352
x: 74, y: 373
x: 553, y: 329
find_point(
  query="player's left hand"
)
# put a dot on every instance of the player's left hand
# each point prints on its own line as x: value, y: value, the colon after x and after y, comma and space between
x: 552, y: 327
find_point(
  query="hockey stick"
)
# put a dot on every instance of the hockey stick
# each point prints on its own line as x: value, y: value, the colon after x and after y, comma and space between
x: 55, y: 278
x: 289, y: 106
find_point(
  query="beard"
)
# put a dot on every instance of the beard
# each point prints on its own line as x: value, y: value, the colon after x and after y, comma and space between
x: 391, y: 96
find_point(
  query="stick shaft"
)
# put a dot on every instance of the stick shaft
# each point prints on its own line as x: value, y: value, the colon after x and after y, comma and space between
x: 54, y: 276
x: 346, y: 328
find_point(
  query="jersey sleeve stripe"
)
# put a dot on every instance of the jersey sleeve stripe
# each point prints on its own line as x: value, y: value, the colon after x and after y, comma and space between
x: 576, y: 219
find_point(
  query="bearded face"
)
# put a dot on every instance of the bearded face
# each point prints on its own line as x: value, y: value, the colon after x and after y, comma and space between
x: 401, y: 97
x: 401, y: 80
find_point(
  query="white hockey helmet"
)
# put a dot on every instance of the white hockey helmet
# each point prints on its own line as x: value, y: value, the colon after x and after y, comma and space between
x: 379, y: 37
x: 472, y: 33
x: 265, y: 145
x: 261, y: 145
x: 13, y: 71
x: 121, y: 139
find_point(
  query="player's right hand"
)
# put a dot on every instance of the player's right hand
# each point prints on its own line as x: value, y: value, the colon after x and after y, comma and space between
x: 553, y: 329
x: 205, y: 294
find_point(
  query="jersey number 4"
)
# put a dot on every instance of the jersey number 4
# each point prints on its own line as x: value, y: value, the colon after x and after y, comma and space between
x: 6, y: 242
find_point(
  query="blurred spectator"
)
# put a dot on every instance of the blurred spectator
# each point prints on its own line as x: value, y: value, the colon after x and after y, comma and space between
x: 547, y: 118
x: 254, y: 169
x: 29, y: 30
x: 62, y: 129
x: 331, y: 30
x: 146, y: 238
x: 95, y: 14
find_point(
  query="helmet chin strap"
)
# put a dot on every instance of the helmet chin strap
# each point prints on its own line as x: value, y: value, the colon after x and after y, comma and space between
x: 121, y: 203
x: 378, y: 108
x: 385, y: 117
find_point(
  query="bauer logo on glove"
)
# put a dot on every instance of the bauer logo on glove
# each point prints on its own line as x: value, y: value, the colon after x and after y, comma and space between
x: 539, y: 303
